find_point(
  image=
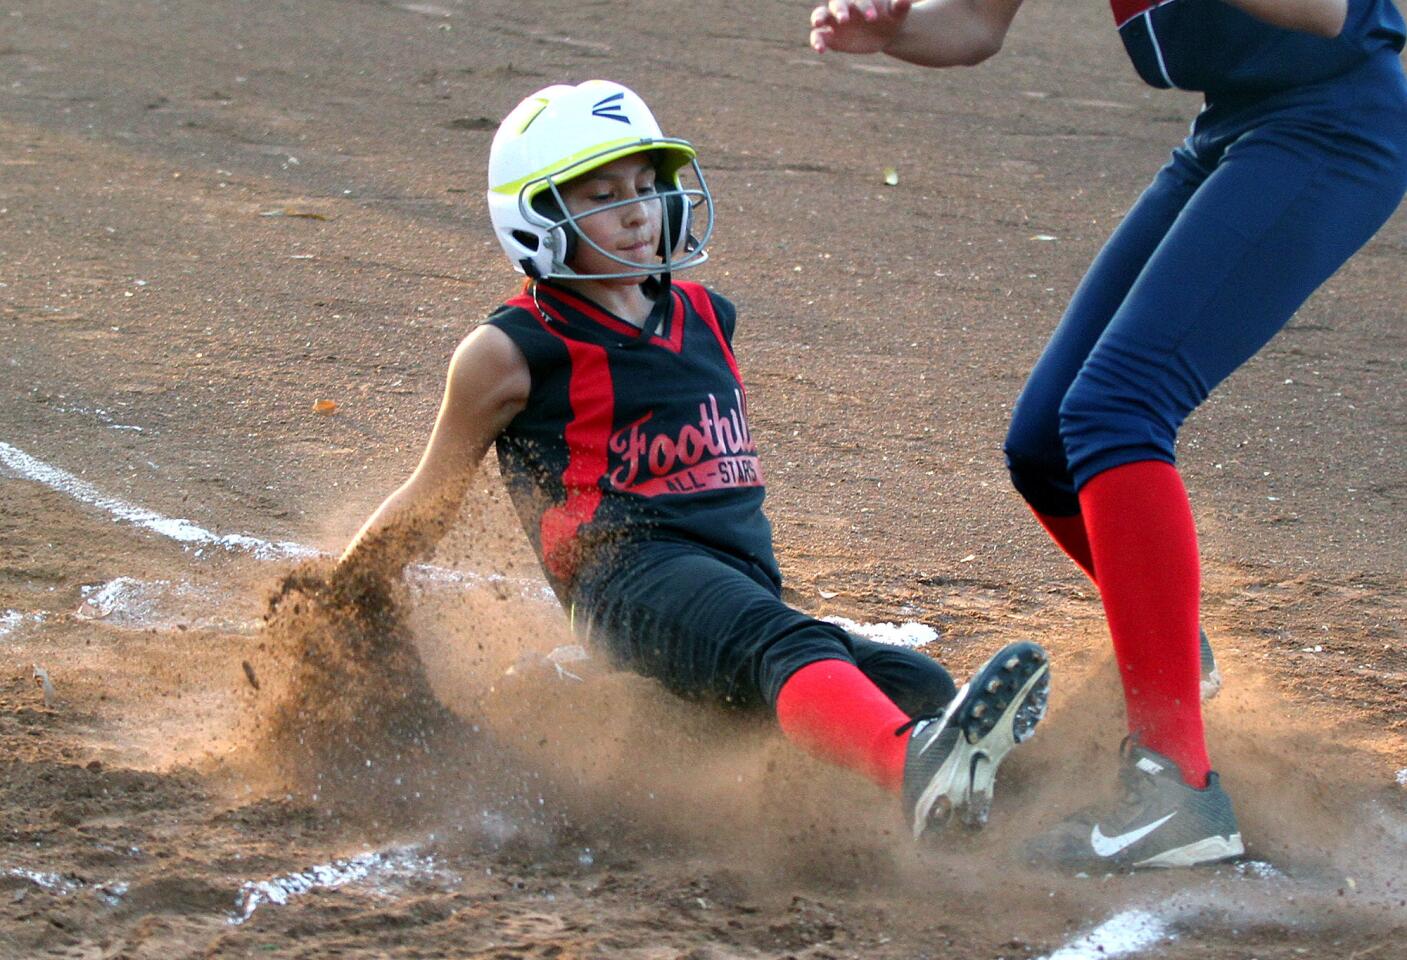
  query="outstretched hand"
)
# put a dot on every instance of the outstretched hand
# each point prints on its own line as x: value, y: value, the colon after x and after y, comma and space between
x: 857, y: 26
x: 350, y: 591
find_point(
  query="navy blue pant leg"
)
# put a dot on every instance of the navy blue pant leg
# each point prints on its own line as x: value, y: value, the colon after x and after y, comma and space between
x: 1267, y: 199
x: 707, y: 626
x: 1035, y: 454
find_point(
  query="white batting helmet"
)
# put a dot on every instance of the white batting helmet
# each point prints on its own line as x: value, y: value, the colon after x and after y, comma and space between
x: 561, y: 132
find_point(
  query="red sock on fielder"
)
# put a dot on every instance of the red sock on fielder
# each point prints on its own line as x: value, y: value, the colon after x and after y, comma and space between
x: 1144, y: 544
x: 831, y: 709
x: 1069, y: 535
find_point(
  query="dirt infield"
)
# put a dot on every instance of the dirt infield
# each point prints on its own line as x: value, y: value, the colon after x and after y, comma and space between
x: 214, y: 215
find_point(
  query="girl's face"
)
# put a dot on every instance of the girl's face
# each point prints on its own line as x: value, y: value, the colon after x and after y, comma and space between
x: 630, y: 231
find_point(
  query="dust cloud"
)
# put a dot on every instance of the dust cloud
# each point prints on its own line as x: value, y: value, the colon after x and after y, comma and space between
x: 450, y: 709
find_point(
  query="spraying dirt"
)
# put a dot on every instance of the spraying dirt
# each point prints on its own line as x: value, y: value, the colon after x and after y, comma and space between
x: 344, y: 702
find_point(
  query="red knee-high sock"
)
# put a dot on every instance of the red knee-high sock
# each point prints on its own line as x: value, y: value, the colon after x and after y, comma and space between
x: 1069, y: 534
x: 831, y: 709
x: 1144, y: 545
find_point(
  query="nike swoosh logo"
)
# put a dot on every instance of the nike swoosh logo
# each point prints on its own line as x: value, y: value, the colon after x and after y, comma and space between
x: 1108, y: 846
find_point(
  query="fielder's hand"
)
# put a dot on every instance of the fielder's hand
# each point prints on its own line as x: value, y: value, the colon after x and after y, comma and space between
x: 857, y: 26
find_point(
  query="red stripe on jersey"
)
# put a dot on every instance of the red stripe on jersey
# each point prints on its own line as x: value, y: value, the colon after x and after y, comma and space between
x: 703, y: 306
x: 675, y: 340
x: 1126, y: 10
x: 591, y: 394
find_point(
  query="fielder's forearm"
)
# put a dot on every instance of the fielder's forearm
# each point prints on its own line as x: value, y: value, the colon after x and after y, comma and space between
x: 952, y: 33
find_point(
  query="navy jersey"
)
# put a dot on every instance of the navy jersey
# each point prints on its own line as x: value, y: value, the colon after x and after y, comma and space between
x: 629, y: 440
x: 1211, y: 46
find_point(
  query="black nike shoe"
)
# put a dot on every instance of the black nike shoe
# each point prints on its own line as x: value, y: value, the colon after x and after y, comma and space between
x: 952, y: 759
x: 1211, y: 675
x: 1160, y: 822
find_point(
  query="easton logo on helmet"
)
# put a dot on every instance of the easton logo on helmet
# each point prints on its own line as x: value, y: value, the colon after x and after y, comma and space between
x: 610, y: 108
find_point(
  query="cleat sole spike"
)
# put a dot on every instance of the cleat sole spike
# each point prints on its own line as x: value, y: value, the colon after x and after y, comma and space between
x: 998, y: 708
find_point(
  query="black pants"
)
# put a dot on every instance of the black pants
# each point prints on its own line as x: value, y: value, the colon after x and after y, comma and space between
x: 708, y: 625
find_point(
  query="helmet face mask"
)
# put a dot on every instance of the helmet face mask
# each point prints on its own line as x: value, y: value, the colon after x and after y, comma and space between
x: 542, y: 201
x: 562, y: 133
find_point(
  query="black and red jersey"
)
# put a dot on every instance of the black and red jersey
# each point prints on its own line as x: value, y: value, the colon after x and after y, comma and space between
x: 623, y: 439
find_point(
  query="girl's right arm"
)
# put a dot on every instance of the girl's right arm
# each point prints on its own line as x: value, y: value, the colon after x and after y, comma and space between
x: 930, y: 33
x: 488, y: 384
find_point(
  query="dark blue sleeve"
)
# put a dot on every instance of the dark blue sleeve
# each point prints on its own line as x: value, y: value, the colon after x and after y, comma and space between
x: 1212, y: 46
x: 1373, y: 24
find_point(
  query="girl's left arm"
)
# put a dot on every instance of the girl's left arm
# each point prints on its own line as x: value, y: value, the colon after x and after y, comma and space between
x: 1323, y: 18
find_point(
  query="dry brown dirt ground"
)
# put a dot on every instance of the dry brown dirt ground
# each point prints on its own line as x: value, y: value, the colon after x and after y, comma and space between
x: 213, y: 215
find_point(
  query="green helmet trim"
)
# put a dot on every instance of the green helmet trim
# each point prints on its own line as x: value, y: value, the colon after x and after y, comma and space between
x: 677, y: 152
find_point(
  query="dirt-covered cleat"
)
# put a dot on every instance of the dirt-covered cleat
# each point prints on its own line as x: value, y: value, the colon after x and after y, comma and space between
x: 951, y: 764
x: 1159, y: 822
x: 1211, y: 674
